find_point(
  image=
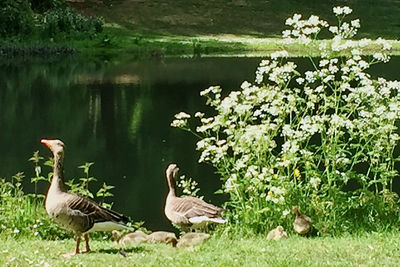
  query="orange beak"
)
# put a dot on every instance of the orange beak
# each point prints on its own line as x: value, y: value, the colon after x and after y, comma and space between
x: 45, y: 142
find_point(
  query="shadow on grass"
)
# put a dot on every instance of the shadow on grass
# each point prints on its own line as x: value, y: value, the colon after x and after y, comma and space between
x: 123, y: 251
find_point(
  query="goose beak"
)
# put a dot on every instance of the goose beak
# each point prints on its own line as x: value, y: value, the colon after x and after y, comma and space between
x: 45, y: 142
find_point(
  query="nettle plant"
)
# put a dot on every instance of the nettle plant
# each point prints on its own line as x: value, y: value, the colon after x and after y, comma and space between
x: 323, y: 140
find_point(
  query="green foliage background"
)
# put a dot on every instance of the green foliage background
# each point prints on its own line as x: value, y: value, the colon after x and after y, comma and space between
x: 49, y: 18
x: 16, y: 17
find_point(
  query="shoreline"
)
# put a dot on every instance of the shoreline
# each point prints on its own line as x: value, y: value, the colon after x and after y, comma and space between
x: 116, y: 43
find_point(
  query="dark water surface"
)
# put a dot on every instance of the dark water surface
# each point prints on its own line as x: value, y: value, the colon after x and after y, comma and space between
x: 117, y: 115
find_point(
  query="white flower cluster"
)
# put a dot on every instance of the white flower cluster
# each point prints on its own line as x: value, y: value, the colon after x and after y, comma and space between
x: 345, y: 29
x: 303, y: 30
x: 231, y: 183
x: 213, y: 94
x: 315, y: 181
x: 213, y: 150
x: 180, y: 120
x: 276, y: 194
x: 305, y: 129
x: 338, y: 10
x: 188, y: 185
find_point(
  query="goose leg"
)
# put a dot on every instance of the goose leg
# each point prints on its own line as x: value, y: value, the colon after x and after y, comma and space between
x: 78, y: 241
x: 69, y: 254
x: 87, y: 243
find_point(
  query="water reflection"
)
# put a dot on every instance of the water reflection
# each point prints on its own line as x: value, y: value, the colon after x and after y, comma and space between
x: 116, y: 115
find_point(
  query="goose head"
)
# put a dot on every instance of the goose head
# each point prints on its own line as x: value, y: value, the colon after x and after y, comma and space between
x: 172, y: 171
x: 56, y: 146
x: 296, y: 211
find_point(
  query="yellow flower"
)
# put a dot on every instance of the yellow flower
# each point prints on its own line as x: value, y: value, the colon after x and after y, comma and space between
x: 296, y: 173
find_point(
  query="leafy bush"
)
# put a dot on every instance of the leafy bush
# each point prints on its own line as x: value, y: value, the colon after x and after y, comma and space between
x: 54, y: 17
x: 16, y: 17
x: 24, y: 215
x: 68, y: 21
x: 323, y: 140
x: 44, y: 5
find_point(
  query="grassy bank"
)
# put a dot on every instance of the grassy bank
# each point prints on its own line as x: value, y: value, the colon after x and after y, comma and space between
x: 117, y: 41
x: 366, y: 250
x: 219, y: 28
x: 182, y: 28
x: 256, y: 18
x: 122, y: 44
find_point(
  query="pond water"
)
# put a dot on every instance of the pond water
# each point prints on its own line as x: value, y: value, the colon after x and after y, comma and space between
x: 117, y: 115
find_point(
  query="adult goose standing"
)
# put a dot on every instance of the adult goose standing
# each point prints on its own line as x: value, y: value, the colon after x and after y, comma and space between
x: 188, y: 212
x: 73, y: 212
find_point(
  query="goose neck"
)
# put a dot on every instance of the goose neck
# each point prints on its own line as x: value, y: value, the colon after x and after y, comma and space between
x: 57, y: 183
x: 171, y: 185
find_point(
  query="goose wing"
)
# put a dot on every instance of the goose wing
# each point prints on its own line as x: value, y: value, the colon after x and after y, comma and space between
x: 94, y: 211
x: 191, y: 207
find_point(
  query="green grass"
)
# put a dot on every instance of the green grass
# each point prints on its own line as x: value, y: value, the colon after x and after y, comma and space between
x: 376, y: 249
x: 187, y: 28
x: 239, y: 17
x: 140, y: 29
x: 120, y: 42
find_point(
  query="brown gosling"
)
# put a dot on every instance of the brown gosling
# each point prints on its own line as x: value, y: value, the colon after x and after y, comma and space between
x: 192, y: 239
x: 162, y: 237
x: 129, y: 238
x: 277, y: 233
x: 302, y: 223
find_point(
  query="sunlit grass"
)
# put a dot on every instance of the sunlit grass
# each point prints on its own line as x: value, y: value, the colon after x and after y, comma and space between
x: 115, y: 41
x: 365, y: 250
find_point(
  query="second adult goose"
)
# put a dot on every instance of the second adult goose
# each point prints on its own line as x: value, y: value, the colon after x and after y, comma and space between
x: 188, y: 212
x: 76, y: 213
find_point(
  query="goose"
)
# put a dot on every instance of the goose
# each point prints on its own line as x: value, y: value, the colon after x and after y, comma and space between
x: 192, y: 239
x: 277, y: 233
x: 140, y: 237
x: 188, y: 212
x: 73, y: 212
x: 302, y: 223
x: 162, y: 237
x: 129, y: 238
